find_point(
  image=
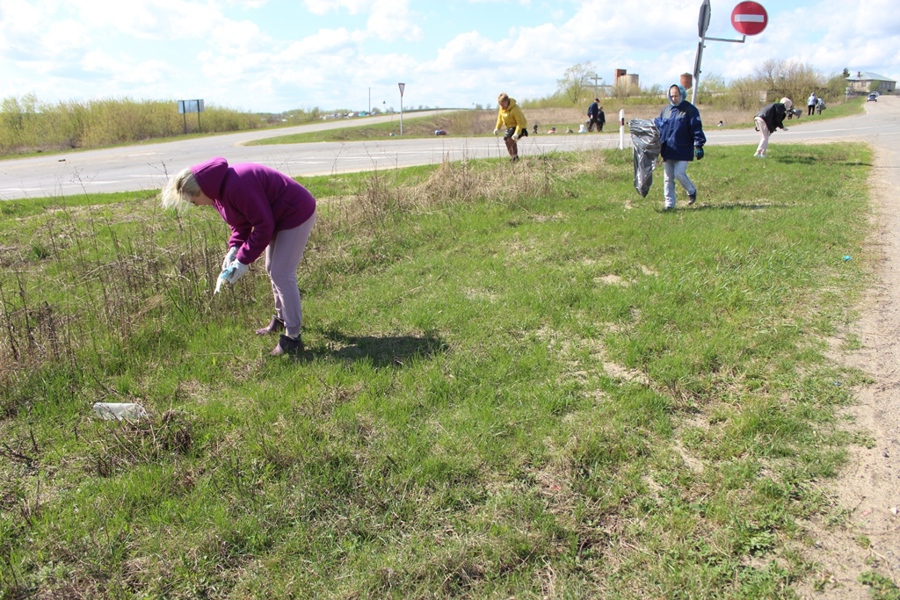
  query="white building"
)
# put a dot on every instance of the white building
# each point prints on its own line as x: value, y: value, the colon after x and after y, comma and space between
x: 866, y: 82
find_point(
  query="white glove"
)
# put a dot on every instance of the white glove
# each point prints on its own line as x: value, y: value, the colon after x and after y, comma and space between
x: 234, y: 271
x: 515, y: 138
x: 229, y: 258
x: 496, y: 131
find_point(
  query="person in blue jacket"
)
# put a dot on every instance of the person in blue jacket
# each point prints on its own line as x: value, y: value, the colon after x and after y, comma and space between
x: 681, y: 140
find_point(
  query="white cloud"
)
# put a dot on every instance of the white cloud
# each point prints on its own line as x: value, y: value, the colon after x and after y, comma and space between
x: 263, y: 55
x: 322, y: 7
x: 147, y: 19
x: 391, y: 20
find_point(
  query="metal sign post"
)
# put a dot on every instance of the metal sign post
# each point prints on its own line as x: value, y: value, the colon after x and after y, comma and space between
x: 402, y: 88
x: 190, y: 106
x: 703, y: 25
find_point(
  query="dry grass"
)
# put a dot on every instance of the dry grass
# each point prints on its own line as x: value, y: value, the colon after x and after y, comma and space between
x: 481, y: 122
x: 452, y: 182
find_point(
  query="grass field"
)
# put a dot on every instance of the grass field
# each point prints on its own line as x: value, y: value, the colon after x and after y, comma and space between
x: 520, y: 381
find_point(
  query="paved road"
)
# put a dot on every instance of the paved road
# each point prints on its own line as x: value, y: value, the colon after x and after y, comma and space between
x: 147, y: 166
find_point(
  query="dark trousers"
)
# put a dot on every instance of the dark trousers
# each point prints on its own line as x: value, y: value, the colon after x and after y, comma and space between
x: 511, y: 146
x: 595, y: 121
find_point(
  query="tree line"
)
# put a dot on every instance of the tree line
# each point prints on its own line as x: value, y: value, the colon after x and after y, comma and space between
x: 28, y: 125
x: 770, y: 81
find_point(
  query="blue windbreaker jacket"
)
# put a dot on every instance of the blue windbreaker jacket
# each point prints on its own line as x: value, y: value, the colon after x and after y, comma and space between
x: 680, y: 130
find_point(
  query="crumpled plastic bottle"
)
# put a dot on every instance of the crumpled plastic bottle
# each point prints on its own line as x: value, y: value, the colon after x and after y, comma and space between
x: 120, y: 411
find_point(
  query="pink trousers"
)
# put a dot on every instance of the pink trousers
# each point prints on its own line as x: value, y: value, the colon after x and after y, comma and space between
x: 763, y: 136
x: 283, y: 256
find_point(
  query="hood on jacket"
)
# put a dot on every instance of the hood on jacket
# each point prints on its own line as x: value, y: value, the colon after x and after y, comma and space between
x: 509, y: 107
x: 681, y: 90
x: 503, y: 96
x: 210, y: 175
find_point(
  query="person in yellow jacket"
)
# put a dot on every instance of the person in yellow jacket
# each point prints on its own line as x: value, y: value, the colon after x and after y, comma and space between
x: 511, y: 117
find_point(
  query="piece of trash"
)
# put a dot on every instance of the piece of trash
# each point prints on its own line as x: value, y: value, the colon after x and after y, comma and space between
x: 120, y: 411
x: 847, y: 257
x: 646, y: 149
x: 895, y: 510
x: 219, y: 281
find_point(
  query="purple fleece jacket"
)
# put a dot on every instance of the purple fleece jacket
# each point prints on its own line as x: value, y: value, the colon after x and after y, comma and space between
x: 257, y: 202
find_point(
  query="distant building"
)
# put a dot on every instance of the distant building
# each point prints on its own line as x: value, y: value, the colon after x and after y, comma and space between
x: 623, y: 78
x: 625, y: 83
x: 866, y: 82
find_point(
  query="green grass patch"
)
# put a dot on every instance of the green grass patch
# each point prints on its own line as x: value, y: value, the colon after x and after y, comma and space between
x: 522, y: 381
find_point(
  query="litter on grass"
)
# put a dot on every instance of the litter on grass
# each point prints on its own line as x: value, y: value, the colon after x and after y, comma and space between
x: 120, y: 411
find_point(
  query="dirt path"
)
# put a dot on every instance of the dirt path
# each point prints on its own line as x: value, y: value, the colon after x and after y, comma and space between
x: 868, y: 490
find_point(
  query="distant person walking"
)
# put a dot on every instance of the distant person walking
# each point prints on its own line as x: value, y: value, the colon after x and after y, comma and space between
x: 267, y: 212
x: 770, y: 118
x: 595, y: 116
x: 511, y: 117
x: 681, y: 140
x: 811, y: 104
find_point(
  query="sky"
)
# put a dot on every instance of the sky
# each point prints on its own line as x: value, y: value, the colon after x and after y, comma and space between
x: 281, y: 55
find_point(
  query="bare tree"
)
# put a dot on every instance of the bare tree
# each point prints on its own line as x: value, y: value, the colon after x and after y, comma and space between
x: 576, y: 83
x: 788, y: 78
x: 747, y: 93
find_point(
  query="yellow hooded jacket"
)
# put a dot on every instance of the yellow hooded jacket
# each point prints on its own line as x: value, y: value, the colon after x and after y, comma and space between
x: 512, y: 116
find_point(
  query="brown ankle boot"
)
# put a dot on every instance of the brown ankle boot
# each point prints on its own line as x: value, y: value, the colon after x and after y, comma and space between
x: 274, y: 326
x: 288, y: 345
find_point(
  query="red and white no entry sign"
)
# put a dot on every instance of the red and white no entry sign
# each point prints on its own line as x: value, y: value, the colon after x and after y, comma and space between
x: 749, y: 18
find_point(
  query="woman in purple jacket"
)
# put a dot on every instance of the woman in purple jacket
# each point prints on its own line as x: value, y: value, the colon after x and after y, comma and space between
x: 267, y: 212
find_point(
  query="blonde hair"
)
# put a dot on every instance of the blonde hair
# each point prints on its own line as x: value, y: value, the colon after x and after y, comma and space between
x: 179, y: 190
x: 502, y: 98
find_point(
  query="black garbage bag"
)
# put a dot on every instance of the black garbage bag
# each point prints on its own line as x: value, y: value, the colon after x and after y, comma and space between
x: 645, y: 139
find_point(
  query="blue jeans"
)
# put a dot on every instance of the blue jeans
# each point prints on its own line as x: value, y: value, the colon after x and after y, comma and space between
x: 676, y: 169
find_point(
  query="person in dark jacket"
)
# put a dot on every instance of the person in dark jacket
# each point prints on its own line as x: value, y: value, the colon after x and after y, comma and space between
x: 681, y: 140
x: 770, y: 118
x: 267, y: 212
x: 595, y: 116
